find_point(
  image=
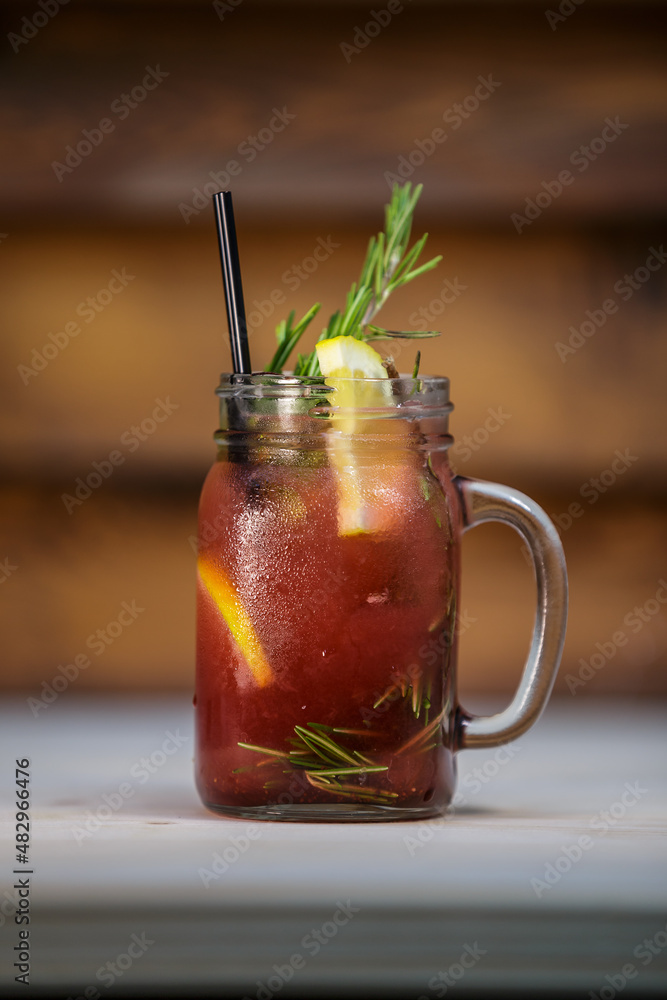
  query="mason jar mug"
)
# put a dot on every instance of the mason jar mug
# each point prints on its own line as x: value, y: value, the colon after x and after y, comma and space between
x: 328, y: 593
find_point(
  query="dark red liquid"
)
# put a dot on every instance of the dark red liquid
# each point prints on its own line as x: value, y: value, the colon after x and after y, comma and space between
x: 357, y: 631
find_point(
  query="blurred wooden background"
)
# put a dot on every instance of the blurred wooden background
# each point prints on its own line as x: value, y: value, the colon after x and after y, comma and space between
x: 137, y: 204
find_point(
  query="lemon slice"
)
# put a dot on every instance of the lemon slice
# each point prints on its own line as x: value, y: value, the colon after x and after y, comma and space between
x: 347, y: 357
x: 227, y: 600
x: 356, y: 371
x: 343, y: 358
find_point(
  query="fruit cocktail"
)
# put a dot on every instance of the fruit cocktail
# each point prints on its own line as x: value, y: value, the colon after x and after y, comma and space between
x: 326, y: 601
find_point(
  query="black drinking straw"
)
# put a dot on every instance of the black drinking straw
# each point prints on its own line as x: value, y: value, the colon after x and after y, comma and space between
x: 231, y: 278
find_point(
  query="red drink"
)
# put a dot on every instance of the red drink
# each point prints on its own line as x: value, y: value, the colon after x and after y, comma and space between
x: 324, y: 657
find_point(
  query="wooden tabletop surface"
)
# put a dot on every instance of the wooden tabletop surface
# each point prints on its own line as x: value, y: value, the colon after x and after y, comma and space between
x: 550, y: 874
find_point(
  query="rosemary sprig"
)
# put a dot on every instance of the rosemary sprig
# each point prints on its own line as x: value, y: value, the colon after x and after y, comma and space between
x: 288, y: 337
x: 414, y: 692
x: 388, y: 265
x: 324, y: 747
x: 420, y: 743
x: 379, y: 333
x: 316, y: 750
x: 378, y: 796
x: 324, y: 760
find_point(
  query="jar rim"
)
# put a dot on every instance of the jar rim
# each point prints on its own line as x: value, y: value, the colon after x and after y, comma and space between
x: 288, y: 385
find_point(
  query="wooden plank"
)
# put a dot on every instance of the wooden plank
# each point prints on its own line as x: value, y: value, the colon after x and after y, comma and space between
x: 164, y: 336
x: 73, y: 573
x: 356, y: 113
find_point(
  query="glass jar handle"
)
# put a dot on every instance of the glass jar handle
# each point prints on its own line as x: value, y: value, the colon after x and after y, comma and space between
x: 481, y: 502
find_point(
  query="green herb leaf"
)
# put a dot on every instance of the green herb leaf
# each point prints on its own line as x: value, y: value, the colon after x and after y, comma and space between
x: 288, y: 337
x: 323, y: 760
x: 387, y: 266
x: 379, y: 333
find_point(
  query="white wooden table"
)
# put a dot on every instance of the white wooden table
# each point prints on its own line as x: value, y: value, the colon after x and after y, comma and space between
x: 500, y: 897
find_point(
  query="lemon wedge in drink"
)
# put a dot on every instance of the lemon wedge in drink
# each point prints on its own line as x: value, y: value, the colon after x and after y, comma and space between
x: 347, y: 357
x: 360, y: 379
x: 228, y: 602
